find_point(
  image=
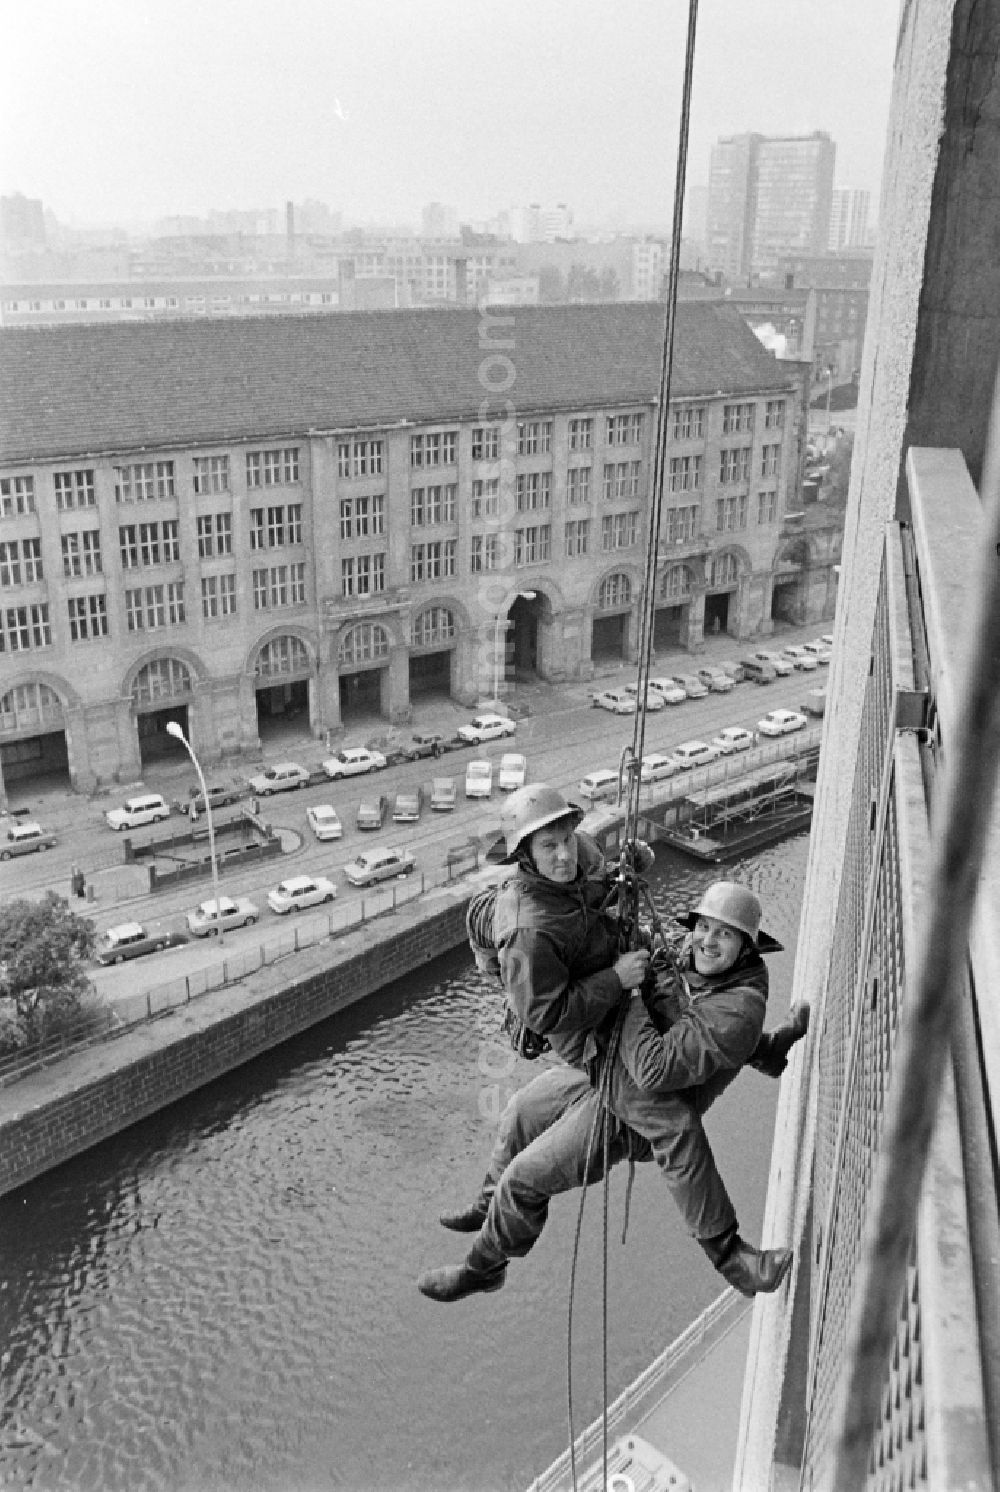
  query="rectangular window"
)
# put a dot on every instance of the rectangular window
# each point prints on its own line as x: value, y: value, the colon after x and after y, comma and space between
x: 211, y: 474
x: 534, y: 437
x: 31, y: 556
x: 685, y: 473
x: 577, y: 537
x: 533, y: 546
x: 619, y: 530
x: 736, y: 418
x: 81, y: 553
x: 128, y: 545
x: 431, y: 505
x: 359, y: 458
x: 362, y: 517
x: 485, y: 554
x: 74, y: 489
x: 774, y: 414
x: 364, y: 575
x: 17, y: 496
x: 734, y: 464
x: 767, y: 507
x: 10, y: 564
x: 534, y: 490
x: 486, y: 443
x: 680, y: 525
x: 433, y: 561
x: 154, y: 606
x: 581, y: 435
x: 25, y: 627
x: 149, y: 543
x: 621, y: 480
x: 689, y: 422
x: 218, y: 596
x: 486, y: 497
x: 770, y: 458
x: 277, y: 468
x: 144, y: 482
x: 215, y: 535
x: 623, y: 429
x: 88, y: 617
x: 437, y: 449
x: 578, y: 485
x: 731, y: 513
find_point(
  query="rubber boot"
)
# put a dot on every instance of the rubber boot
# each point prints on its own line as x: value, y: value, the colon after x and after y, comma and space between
x: 477, y: 1274
x: 466, y: 1219
x: 750, y: 1271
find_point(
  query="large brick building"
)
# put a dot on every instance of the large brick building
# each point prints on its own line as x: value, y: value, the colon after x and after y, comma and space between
x: 220, y: 521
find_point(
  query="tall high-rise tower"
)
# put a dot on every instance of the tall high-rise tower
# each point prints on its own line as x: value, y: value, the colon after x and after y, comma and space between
x: 768, y: 197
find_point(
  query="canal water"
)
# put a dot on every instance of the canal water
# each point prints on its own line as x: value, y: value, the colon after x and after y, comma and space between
x: 222, y: 1299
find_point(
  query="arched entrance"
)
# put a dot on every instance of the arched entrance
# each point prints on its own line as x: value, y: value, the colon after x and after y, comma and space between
x: 32, y: 735
x: 523, y: 616
x: 609, y: 634
x: 788, y: 586
x: 282, y: 673
x: 161, y: 692
x: 721, y: 585
x: 363, y: 666
x: 433, y: 635
x: 670, y: 619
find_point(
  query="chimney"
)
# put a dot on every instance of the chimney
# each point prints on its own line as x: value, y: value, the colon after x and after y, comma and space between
x: 462, y: 281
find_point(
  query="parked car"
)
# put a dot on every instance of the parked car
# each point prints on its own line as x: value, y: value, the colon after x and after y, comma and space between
x: 800, y: 658
x: 353, y: 761
x: 814, y: 702
x: 733, y: 738
x: 782, y: 666
x: 757, y: 671
x: 486, y: 727
x: 420, y: 744
x: 132, y: 940
x: 695, y: 754
x: 443, y: 794
x: 818, y: 649
x: 715, y: 679
x: 135, y: 812
x: 600, y: 784
x: 656, y: 766
x: 669, y: 691
x: 654, y: 700
x: 692, y: 685
x: 479, y: 779
x: 513, y: 771
x: 371, y: 813
x: 733, y: 669
x: 826, y: 637
x: 204, y: 920
x: 781, y: 722
x: 406, y: 806
x: 283, y: 777
x: 324, y: 820
x: 298, y: 892
x: 25, y: 839
x: 618, y: 701
x: 220, y: 795
x: 372, y: 866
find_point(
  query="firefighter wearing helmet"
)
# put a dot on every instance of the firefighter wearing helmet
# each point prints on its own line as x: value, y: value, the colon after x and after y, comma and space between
x: 684, y: 1038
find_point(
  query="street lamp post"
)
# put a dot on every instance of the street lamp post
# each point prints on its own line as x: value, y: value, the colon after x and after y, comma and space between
x: 501, y: 617
x: 173, y: 729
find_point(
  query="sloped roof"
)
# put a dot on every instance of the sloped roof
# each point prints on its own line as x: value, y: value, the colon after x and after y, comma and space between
x: 71, y: 390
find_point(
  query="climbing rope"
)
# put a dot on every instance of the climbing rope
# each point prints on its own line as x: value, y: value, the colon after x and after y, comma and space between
x: 630, y: 888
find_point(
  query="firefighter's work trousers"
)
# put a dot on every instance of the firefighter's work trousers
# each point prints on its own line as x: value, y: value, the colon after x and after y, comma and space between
x: 542, y: 1145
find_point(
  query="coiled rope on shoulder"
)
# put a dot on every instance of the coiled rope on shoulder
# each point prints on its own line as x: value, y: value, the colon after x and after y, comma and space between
x: 630, y: 768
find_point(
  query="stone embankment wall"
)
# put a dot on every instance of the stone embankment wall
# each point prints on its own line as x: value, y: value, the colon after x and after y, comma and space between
x: 51, y: 1116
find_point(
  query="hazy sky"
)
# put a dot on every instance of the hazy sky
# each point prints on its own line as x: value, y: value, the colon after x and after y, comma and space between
x: 122, y: 110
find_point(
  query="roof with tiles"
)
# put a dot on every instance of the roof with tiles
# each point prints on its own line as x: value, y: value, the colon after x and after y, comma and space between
x: 86, y: 389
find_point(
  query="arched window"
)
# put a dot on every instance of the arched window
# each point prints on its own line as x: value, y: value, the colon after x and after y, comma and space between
x: 615, y: 592
x: 365, y: 643
x: 30, y: 704
x: 164, y: 678
x: 281, y: 657
x: 676, y: 583
x: 432, y: 627
x: 724, y: 570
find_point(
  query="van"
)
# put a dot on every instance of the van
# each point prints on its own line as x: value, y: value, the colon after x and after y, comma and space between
x: 597, y: 785
x: 757, y: 671
x: 137, y: 811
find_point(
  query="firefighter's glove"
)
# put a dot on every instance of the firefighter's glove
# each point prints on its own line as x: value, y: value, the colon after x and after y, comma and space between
x: 770, y: 1055
x: 644, y: 857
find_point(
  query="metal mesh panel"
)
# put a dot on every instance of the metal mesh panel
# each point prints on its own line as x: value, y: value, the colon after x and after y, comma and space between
x: 864, y: 993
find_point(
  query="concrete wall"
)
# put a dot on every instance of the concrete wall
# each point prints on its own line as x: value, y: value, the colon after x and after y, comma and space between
x: 50, y: 1117
x: 927, y: 379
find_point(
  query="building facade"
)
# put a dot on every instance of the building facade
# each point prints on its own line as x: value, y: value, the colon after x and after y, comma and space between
x: 219, y: 523
x: 768, y: 197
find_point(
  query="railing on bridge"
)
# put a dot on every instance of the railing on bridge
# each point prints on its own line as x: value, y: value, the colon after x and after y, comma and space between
x: 860, y: 1404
